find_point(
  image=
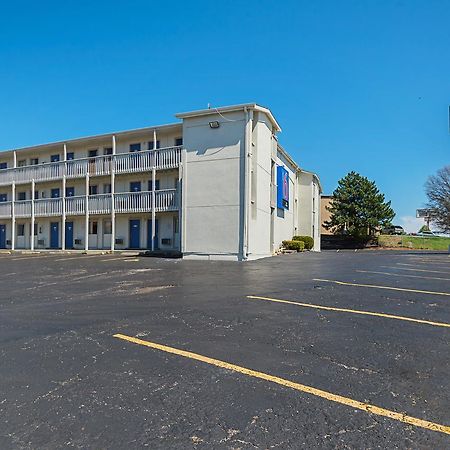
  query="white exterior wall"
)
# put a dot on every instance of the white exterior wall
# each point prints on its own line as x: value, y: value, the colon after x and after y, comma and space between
x: 213, y: 186
x: 309, y: 207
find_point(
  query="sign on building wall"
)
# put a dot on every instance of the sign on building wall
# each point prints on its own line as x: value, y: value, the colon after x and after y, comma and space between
x: 282, y: 188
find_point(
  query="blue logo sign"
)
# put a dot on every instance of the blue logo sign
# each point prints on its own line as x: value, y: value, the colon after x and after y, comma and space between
x: 282, y: 188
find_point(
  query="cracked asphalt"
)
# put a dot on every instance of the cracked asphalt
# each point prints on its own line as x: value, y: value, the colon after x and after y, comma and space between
x: 66, y: 382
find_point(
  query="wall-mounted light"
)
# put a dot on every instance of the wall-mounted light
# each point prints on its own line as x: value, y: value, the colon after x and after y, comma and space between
x: 214, y: 124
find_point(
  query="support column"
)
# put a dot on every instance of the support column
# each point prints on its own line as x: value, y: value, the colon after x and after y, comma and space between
x: 86, y: 224
x: 13, y: 216
x: 63, y: 206
x: 13, y: 206
x: 33, y: 187
x: 153, y: 207
x: 113, y: 190
x: 183, y: 202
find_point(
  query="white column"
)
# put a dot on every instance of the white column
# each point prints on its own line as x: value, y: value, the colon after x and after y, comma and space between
x: 183, y: 200
x: 13, y: 215
x: 13, y: 207
x: 33, y: 187
x: 63, y: 207
x: 154, y: 193
x: 113, y: 190
x: 153, y: 207
x: 86, y: 224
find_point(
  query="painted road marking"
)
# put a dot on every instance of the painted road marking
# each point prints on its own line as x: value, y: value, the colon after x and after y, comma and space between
x: 413, y: 265
x: 403, y: 275
x: 346, y: 283
x: 423, y: 262
x: 415, y: 270
x: 351, y: 311
x: 293, y: 385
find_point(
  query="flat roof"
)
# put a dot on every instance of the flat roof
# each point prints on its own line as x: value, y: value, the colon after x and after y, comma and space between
x: 93, y: 138
x: 231, y: 108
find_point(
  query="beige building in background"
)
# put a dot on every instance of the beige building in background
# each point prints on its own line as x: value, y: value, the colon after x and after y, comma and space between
x: 325, y: 215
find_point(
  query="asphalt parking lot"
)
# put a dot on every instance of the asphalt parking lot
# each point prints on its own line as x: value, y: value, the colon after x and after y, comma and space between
x: 329, y: 350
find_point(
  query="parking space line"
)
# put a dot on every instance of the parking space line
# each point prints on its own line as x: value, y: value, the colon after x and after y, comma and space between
x: 415, y: 265
x: 351, y: 311
x: 372, y: 409
x: 375, y: 286
x: 424, y: 262
x: 403, y: 275
x: 415, y: 270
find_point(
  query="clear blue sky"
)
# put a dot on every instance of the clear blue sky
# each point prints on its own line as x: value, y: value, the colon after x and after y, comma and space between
x: 355, y: 85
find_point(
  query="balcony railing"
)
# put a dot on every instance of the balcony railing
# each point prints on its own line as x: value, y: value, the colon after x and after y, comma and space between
x: 164, y: 158
x: 124, y: 202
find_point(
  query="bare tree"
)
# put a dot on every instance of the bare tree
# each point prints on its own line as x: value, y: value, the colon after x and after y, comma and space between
x: 437, y: 189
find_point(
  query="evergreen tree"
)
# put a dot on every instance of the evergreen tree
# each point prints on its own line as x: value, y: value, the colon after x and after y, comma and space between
x: 358, y: 208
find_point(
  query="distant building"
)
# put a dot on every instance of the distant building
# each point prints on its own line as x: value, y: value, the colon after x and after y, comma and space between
x: 325, y: 201
x: 214, y: 185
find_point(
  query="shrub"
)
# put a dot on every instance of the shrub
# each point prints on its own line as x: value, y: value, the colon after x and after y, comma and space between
x: 294, y: 245
x: 308, y: 241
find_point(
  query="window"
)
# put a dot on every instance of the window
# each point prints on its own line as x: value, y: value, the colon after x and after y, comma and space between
x: 92, y: 153
x: 150, y: 145
x: 93, y: 190
x: 22, y: 196
x: 54, y: 193
x: 20, y: 229
x: 54, y: 158
x: 150, y: 185
x: 107, y: 188
x: 3, y: 197
x: 179, y: 141
x: 107, y: 227
x: 176, y: 183
x: 70, y: 191
x: 35, y: 231
x: 22, y: 163
x: 36, y: 195
x: 70, y: 156
x: 34, y: 161
x: 175, y: 224
x: 135, y: 186
x: 135, y: 147
x: 3, y: 165
x: 93, y: 227
x: 107, y: 151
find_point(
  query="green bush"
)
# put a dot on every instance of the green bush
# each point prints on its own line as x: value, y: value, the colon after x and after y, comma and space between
x: 294, y: 245
x: 308, y: 241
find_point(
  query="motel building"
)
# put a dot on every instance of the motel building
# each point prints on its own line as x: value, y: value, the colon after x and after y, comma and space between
x: 214, y: 185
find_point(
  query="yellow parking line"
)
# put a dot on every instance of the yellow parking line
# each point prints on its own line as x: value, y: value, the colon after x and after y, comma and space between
x: 413, y: 265
x: 381, y: 287
x: 415, y: 270
x: 403, y: 275
x: 293, y: 385
x: 351, y: 311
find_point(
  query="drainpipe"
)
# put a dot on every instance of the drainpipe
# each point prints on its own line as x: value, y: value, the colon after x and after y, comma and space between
x: 247, y: 161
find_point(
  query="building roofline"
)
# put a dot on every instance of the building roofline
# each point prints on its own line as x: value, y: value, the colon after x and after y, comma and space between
x: 314, y: 176
x: 231, y: 108
x: 91, y: 138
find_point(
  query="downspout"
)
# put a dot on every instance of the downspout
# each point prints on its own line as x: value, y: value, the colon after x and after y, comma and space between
x: 247, y: 156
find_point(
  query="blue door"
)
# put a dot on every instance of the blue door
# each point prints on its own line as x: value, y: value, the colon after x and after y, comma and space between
x: 54, y: 235
x: 69, y: 235
x: 70, y: 191
x: 3, y: 197
x: 55, y: 193
x: 2, y: 236
x: 149, y: 234
x: 135, y: 186
x: 135, y: 233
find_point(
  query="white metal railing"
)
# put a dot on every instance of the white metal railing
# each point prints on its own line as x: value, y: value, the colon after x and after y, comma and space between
x: 75, y: 205
x: 5, y: 209
x: 22, y: 208
x: 133, y: 202
x: 100, y: 204
x: 166, y: 200
x: 164, y: 158
x: 48, y: 207
x: 124, y: 202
